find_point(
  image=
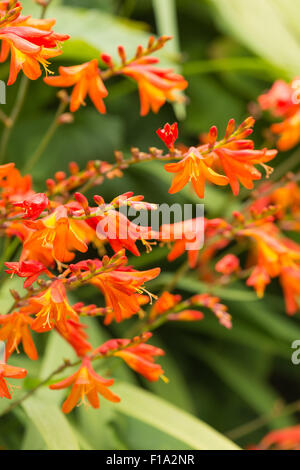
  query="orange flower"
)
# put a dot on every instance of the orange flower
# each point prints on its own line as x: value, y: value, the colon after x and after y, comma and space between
x: 87, y: 80
x: 56, y: 233
x: 120, y: 288
x: 289, y: 132
x: 282, y: 439
x: 15, y: 187
x: 278, y: 99
x: 73, y: 332
x: 274, y: 255
x: 156, y: 85
x: 6, y: 169
x: 228, y: 264
x: 29, y: 269
x: 282, y: 100
x: 194, y: 167
x: 290, y: 282
x: 235, y: 154
x: 186, y: 315
x: 85, y: 382
x: 188, y: 236
x: 239, y: 166
x: 259, y: 279
x: 139, y: 357
x: 166, y: 302
x: 14, y: 328
x: 11, y: 372
x: 273, y: 252
x: 51, y: 308
x: 120, y: 232
x: 29, y: 47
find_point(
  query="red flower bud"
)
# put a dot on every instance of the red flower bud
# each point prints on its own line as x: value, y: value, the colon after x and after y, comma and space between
x: 168, y: 134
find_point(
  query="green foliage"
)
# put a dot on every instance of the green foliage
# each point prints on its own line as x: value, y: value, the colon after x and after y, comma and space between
x: 229, y: 50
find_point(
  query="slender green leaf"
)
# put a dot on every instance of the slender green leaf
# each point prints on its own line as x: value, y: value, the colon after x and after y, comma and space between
x: 150, y: 409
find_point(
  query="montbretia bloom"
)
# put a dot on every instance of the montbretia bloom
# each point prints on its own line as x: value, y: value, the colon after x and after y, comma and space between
x: 239, y: 166
x: 6, y: 169
x: 15, y: 187
x: 188, y: 237
x: 288, y: 131
x: 259, y: 279
x: 278, y: 100
x: 194, y: 167
x: 120, y: 288
x: 73, y: 332
x: 166, y: 302
x: 228, y: 264
x: 283, y: 101
x: 57, y: 233
x: 115, y: 228
x: 51, y: 308
x: 29, y: 269
x: 30, y: 47
x: 86, y: 80
x: 234, y: 155
x: 33, y: 206
x: 281, y: 439
x: 156, y: 85
x: 139, y: 357
x: 14, y: 329
x: 290, y: 283
x: 9, y: 372
x: 85, y: 383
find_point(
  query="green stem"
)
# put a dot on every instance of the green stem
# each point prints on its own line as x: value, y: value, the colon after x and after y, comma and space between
x: 263, y: 420
x: 46, y: 139
x: 13, y: 116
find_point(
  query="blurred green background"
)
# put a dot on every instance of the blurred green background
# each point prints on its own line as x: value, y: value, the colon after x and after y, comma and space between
x: 230, y: 51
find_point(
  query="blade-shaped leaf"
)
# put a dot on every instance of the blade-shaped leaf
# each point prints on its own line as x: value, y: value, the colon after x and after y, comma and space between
x: 150, y: 409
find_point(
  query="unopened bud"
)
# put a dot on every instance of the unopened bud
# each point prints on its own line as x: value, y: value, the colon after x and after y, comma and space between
x: 212, y: 135
x: 119, y: 156
x: 122, y: 54
x: 73, y: 168
x: 139, y: 51
x: 99, y: 200
x: 63, y: 96
x: 15, y: 294
x: 230, y: 128
x: 107, y: 59
x: 151, y: 42
x: 66, y: 118
x: 60, y: 176
x: 82, y: 200
x: 50, y: 183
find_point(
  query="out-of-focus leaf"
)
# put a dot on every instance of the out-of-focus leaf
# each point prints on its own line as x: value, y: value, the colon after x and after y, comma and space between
x: 261, y: 25
x: 270, y: 315
x: 166, y: 20
x: 242, y: 333
x: 98, y: 29
x: 179, y: 424
x: 90, y: 137
x: 251, y: 65
x: 259, y: 395
x: 190, y: 284
x: 51, y: 423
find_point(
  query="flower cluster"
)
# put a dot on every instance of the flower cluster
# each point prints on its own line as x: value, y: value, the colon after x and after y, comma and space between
x: 62, y: 239
x: 283, y: 102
